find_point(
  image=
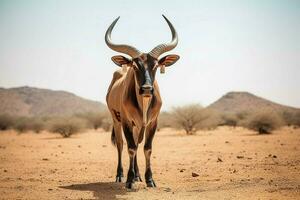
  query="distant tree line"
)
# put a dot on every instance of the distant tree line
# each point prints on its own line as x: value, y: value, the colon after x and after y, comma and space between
x: 189, y: 118
x: 194, y: 117
x: 64, y: 125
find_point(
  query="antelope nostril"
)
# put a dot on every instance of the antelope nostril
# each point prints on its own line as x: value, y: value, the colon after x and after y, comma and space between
x: 146, y: 87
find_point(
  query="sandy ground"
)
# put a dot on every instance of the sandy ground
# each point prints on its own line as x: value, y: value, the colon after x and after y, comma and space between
x: 231, y: 164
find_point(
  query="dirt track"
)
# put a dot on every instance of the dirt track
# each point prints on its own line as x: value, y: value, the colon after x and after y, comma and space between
x: 231, y: 163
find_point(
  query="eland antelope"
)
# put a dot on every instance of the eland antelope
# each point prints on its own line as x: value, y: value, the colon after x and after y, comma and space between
x: 134, y: 100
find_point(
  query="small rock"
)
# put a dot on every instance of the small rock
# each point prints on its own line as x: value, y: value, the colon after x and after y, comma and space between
x: 5, y: 170
x: 274, y: 156
x: 79, y: 146
x: 45, y: 159
x: 240, y: 157
x: 182, y: 170
x: 234, y: 171
x: 219, y: 160
x: 104, y: 146
x: 195, y: 174
x: 50, y: 189
x: 226, y: 142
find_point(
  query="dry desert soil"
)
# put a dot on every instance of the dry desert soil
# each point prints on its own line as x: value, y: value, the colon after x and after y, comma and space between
x: 226, y: 163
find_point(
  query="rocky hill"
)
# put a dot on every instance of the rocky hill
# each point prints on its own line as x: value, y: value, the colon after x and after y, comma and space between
x: 29, y: 101
x: 235, y: 102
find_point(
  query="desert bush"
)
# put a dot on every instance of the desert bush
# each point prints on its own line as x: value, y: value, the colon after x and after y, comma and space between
x: 164, y: 120
x: 291, y: 118
x: 67, y: 126
x: 107, y: 122
x: 6, y: 122
x: 229, y: 120
x: 264, y: 122
x: 36, y: 125
x: 97, y: 120
x: 296, y: 120
x: 188, y: 117
x: 21, y: 124
x: 94, y: 120
x: 24, y: 124
x: 242, y: 115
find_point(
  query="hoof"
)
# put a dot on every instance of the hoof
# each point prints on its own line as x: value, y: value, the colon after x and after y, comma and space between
x: 129, y: 185
x: 118, y: 179
x: 151, y: 183
x: 138, y: 179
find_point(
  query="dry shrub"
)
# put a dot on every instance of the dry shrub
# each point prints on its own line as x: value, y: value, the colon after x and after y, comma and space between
x: 24, y: 124
x: 97, y: 120
x: 188, y: 117
x: 67, y: 126
x: 94, y: 120
x: 296, y: 120
x: 107, y: 122
x: 164, y: 120
x: 212, y: 121
x: 264, y: 122
x: 229, y: 120
x: 291, y: 118
x: 6, y: 122
x: 36, y: 125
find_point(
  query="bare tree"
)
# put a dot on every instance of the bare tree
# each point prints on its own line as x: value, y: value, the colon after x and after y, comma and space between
x: 188, y: 117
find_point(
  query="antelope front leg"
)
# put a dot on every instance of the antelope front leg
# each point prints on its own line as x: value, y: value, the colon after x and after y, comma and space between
x: 147, y: 151
x: 132, y: 148
x: 136, y: 170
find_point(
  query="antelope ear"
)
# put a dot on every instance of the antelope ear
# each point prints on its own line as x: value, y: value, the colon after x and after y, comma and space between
x: 121, y: 60
x: 168, y: 60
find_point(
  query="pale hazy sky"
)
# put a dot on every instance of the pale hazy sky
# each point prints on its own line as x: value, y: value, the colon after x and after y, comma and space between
x: 224, y: 46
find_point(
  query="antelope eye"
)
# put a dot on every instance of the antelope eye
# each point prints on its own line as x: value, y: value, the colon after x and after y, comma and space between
x: 135, y: 67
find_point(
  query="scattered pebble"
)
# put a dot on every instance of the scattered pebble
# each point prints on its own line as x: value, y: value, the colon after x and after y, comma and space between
x: 5, y: 170
x: 45, y: 159
x: 219, y: 160
x: 195, y: 174
x: 240, y: 157
x: 182, y: 170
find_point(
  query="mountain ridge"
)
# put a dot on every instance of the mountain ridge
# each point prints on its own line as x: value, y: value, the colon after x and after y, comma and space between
x: 32, y: 101
x: 240, y: 101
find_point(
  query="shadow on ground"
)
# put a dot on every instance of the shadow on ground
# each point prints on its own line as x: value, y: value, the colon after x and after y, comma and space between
x: 101, y: 190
